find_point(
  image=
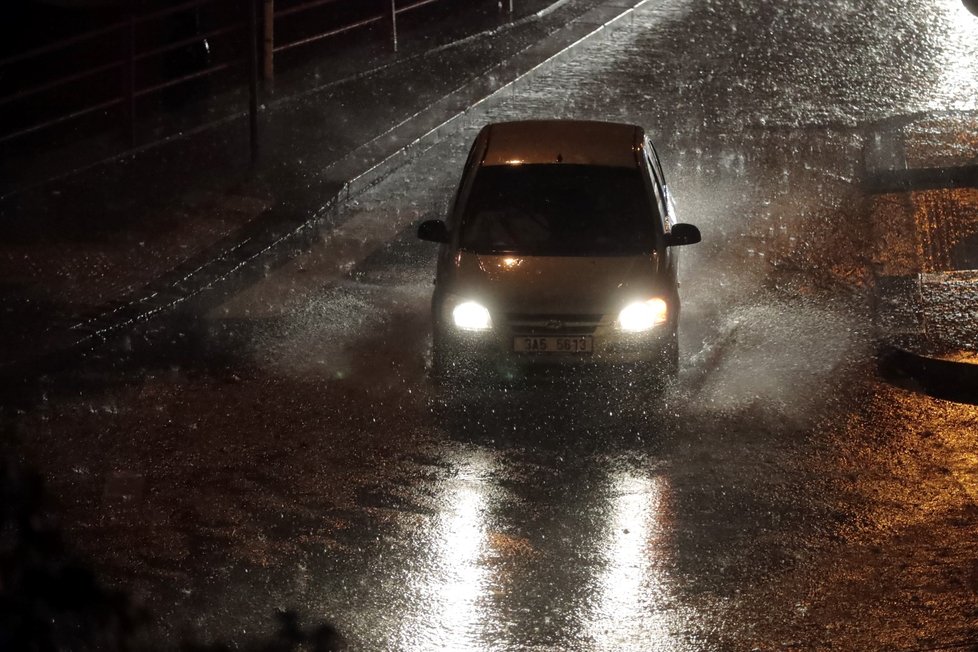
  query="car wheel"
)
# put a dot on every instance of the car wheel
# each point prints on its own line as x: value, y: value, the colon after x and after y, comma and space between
x: 657, y: 372
x: 440, y: 363
x: 670, y: 358
x: 446, y: 364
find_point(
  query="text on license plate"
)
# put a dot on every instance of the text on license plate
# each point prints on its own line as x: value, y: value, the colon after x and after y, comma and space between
x: 579, y: 344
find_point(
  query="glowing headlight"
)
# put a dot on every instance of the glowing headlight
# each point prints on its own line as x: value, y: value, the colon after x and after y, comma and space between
x: 471, y: 316
x: 643, y: 315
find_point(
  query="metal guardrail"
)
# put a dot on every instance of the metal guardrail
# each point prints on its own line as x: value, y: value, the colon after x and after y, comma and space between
x: 133, y: 72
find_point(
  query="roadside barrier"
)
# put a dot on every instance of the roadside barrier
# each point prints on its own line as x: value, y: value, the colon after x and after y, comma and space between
x: 142, y: 50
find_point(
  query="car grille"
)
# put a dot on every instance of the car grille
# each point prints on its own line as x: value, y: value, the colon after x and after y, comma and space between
x: 548, y: 324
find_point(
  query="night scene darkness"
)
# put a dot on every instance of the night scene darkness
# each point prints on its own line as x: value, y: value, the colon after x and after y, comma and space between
x: 491, y: 325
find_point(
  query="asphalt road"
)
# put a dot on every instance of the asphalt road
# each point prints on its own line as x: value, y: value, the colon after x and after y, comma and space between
x: 286, y: 450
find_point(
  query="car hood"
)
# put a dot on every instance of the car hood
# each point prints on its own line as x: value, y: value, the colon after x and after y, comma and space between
x: 555, y: 284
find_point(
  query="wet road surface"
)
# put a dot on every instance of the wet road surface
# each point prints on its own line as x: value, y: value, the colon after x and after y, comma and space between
x: 286, y: 450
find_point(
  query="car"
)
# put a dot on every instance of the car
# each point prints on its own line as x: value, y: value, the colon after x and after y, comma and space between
x: 559, y: 249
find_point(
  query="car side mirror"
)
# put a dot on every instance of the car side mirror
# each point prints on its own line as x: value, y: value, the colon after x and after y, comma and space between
x: 433, y: 231
x: 682, y: 234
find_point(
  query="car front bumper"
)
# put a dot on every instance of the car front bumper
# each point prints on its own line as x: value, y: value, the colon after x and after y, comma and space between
x: 607, y: 347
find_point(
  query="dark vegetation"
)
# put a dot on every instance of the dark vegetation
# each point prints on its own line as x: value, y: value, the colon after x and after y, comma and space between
x: 51, y: 599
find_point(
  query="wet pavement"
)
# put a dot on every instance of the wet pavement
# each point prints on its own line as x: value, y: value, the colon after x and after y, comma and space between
x: 285, y: 450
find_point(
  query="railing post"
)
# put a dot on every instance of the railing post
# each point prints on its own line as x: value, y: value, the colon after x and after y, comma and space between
x: 130, y: 75
x: 253, y: 77
x: 393, y: 24
x: 269, y: 51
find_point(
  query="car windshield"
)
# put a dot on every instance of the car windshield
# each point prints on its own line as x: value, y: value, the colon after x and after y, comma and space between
x: 558, y: 210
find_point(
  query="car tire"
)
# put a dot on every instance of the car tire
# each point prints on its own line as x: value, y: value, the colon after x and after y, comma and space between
x: 440, y: 363
x: 658, y: 372
x: 670, y: 358
x: 446, y: 364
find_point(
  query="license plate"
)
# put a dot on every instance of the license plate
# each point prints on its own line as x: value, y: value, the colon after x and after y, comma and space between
x: 579, y: 344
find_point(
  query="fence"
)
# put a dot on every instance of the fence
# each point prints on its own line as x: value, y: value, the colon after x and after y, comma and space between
x: 150, y: 52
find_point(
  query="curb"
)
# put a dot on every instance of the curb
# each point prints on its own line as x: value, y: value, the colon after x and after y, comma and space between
x: 944, y: 379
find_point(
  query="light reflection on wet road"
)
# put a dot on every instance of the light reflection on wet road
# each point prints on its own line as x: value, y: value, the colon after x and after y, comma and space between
x: 778, y: 497
x: 451, y: 582
x: 630, y: 593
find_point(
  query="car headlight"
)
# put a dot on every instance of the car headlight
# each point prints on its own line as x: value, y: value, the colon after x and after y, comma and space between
x: 471, y: 316
x: 643, y: 315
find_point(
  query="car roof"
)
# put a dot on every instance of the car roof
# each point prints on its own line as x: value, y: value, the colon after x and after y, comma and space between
x: 563, y: 141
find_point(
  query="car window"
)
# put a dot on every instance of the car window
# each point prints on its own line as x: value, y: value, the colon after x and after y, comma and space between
x: 660, y: 191
x: 559, y: 210
x: 653, y: 158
